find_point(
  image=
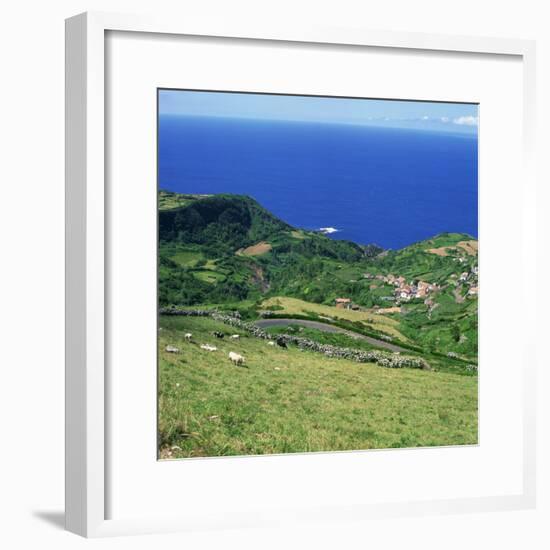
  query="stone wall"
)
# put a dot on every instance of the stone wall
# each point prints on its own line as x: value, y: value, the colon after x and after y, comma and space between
x: 384, y: 359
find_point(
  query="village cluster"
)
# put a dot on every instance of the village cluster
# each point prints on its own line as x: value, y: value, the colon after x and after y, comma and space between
x: 421, y: 289
x: 405, y: 291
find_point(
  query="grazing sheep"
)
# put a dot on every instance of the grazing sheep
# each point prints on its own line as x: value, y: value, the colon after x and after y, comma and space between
x: 235, y: 358
x: 235, y: 336
x: 218, y: 334
x: 270, y: 343
x: 171, y: 349
x: 188, y: 336
x: 381, y: 358
x: 208, y: 347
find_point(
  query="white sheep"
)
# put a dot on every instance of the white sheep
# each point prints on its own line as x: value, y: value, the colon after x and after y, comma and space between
x: 171, y: 349
x: 188, y: 336
x: 270, y: 343
x: 235, y: 358
x: 235, y: 336
x: 208, y: 347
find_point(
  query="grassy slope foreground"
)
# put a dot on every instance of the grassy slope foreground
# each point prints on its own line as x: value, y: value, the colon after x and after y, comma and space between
x: 297, y: 401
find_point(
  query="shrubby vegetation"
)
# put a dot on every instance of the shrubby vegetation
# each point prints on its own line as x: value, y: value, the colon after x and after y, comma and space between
x: 220, y: 223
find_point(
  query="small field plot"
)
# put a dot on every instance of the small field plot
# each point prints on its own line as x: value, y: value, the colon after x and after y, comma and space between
x: 209, y: 276
x: 255, y: 250
x: 187, y: 258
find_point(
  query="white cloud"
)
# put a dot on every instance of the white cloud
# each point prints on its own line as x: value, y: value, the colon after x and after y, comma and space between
x: 444, y: 119
x: 466, y: 120
x: 425, y: 118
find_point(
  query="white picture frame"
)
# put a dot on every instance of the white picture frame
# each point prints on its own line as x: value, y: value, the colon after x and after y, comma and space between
x: 87, y: 240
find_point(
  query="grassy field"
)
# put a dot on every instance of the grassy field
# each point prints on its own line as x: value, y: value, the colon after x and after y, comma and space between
x: 187, y: 258
x: 168, y: 200
x: 208, y: 276
x: 294, y: 306
x: 296, y: 401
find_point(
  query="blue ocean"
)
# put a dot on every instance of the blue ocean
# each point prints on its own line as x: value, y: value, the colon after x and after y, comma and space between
x: 386, y: 186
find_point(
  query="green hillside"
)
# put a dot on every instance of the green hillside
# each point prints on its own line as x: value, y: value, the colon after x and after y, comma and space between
x: 288, y: 400
x: 201, y: 243
x: 228, y: 252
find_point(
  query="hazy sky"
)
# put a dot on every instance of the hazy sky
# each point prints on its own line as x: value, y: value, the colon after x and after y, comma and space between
x: 447, y: 117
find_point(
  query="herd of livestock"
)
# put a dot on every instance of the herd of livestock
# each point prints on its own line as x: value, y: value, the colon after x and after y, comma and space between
x: 383, y: 359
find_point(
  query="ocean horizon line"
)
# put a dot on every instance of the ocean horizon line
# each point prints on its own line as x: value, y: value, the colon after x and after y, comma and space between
x: 464, y: 131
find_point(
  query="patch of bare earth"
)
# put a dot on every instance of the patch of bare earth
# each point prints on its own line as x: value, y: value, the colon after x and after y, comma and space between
x: 443, y: 251
x: 259, y: 279
x: 470, y: 247
x: 383, y: 310
x: 255, y: 250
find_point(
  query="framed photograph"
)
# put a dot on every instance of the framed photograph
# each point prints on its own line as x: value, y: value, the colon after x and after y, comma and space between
x: 310, y: 241
x: 290, y: 288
